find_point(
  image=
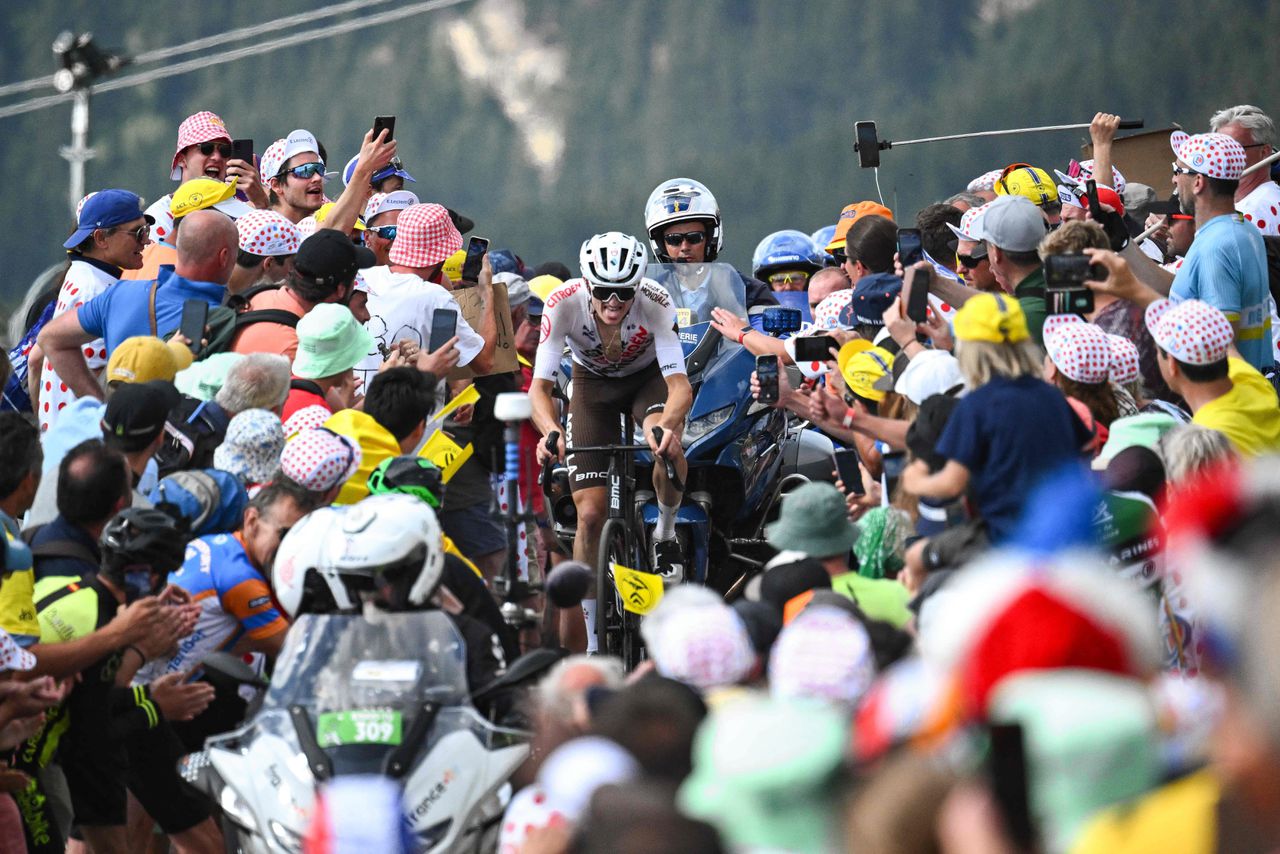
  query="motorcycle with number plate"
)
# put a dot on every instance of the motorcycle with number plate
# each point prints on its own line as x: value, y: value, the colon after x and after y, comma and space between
x: 734, y: 445
x: 378, y: 693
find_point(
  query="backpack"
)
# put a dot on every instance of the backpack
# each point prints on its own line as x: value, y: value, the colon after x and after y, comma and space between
x: 193, y: 431
x: 234, y: 314
x: 57, y: 548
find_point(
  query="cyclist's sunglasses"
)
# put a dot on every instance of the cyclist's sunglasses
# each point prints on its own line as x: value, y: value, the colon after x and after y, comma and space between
x: 386, y: 232
x: 305, y: 171
x: 605, y: 293
x: 693, y: 238
x: 223, y: 148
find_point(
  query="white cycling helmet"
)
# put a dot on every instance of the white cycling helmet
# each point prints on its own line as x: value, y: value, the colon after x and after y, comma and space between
x: 613, y: 259
x: 391, y: 543
x: 679, y: 200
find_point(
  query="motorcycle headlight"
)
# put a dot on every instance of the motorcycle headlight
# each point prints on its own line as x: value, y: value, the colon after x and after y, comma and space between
x: 704, y: 424
x: 236, y: 809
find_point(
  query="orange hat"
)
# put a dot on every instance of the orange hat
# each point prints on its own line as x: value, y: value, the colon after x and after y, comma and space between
x: 850, y: 215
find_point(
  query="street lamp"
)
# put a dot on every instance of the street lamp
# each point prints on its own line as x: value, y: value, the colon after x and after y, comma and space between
x: 83, y: 63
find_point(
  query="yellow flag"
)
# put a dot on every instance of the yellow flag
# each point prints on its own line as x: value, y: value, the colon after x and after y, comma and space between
x: 639, y: 591
x: 467, y: 395
x: 446, y: 454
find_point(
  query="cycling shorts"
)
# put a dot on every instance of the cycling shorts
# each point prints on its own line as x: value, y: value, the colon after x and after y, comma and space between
x: 596, y: 407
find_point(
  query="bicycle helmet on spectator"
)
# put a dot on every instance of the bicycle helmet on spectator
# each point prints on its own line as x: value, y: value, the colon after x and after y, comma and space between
x: 681, y: 200
x: 408, y: 476
x: 785, y: 250
x: 138, y: 543
x: 613, y: 259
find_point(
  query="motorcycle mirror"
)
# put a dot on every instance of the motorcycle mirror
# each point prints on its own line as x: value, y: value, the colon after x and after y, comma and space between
x: 232, y: 667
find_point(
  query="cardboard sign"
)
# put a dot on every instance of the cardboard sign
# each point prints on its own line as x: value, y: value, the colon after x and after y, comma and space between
x: 472, y: 306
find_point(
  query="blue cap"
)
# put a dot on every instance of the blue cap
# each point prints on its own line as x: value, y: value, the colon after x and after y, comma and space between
x: 104, y: 209
x: 872, y: 297
x: 504, y: 261
x: 395, y: 167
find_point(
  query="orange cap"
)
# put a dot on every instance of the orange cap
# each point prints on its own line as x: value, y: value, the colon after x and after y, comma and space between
x: 851, y: 214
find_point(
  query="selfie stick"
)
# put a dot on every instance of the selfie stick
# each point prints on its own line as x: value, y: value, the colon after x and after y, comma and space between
x: 1266, y: 161
x: 869, y: 155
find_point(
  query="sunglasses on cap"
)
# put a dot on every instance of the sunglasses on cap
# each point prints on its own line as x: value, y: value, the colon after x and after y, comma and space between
x: 605, y: 293
x: 305, y: 171
x: 386, y: 232
x: 693, y: 238
x: 223, y: 148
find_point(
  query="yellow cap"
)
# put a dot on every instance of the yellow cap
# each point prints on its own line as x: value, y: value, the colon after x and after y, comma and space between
x: 851, y: 214
x: 321, y: 214
x: 200, y: 193
x: 994, y: 318
x: 453, y: 265
x: 1023, y: 179
x: 142, y: 358
x: 867, y: 370
x: 542, y: 286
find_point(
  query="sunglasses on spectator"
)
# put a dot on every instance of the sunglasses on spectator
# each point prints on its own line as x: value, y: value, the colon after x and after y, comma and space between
x: 970, y: 262
x: 693, y: 238
x: 605, y: 293
x: 139, y: 234
x: 223, y: 148
x: 305, y: 171
x: 787, y: 277
x: 386, y: 232
x: 1180, y: 170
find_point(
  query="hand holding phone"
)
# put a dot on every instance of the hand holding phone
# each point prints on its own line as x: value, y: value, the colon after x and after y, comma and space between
x: 242, y: 149
x: 918, y: 298
x: 767, y: 378
x: 195, y: 314
x: 814, y: 348
x: 387, y: 123
x: 444, y: 325
x: 474, y: 262
x: 848, y: 467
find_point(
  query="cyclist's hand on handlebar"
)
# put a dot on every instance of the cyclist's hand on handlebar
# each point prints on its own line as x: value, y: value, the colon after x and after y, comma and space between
x: 545, y: 454
x: 664, y: 446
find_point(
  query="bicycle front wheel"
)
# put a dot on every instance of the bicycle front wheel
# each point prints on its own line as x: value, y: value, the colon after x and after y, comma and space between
x: 617, y: 630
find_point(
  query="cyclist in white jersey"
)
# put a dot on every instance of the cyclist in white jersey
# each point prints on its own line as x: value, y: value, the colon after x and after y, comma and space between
x: 621, y: 330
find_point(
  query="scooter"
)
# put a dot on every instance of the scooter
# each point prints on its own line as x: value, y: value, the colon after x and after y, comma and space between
x: 377, y: 693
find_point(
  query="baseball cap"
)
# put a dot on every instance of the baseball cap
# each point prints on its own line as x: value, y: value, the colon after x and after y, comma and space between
x: 1215, y: 155
x: 517, y: 288
x: 867, y: 370
x: 1078, y: 172
x: 985, y: 181
x: 201, y: 193
x: 1106, y: 196
x: 871, y: 297
x: 541, y: 288
x: 104, y: 209
x: 380, y: 203
x: 823, y: 654
x: 279, y: 152
x: 144, y: 358
x: 1081, y: 351
x: 304, y: 419
x: 1125, y: 362
x: 328, y: 257
x: 970, y: 227
x: 851, y: 214
x: 267, y: 233
x: 196, y: 128
x: 391, y: 170
x: 425, y: 235
x: 252, y: 447
x: 1031, y: 182
x: 319, y: 459
x: 929, y: 373
x: 136, y: 413
x: 330, y: 341
x: 994, y: 318
x: 1013, y: 223
x: 1191, y: 331
x: 452, y: 266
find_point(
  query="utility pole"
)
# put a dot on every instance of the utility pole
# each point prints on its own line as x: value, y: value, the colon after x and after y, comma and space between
x: 83, y: 63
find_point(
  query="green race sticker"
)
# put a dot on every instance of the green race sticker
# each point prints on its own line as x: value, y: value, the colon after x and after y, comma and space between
x: 359, y: 726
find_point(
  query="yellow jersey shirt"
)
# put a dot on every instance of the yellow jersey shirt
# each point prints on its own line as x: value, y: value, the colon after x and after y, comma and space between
x: 1248, y: 415
x: 17, y: 591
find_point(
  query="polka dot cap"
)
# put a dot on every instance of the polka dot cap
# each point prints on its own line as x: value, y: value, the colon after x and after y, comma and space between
x: 307, y: 226
x: 985, y: 181
x: 826, y: 314
x: 425, y: 235
x: 823, y: 654
x: 1214, y: 154
x: 319, y: 459
x: 1125, y: 365
x: 970, y: 224
x: 306, y: 418
x: 1083, y: 171
x: 704, y: 647
x: 1191, y: 331
x: 203, y: 126
x: 267, y: 233
x: 1079, y: 350
x: 272, y: 160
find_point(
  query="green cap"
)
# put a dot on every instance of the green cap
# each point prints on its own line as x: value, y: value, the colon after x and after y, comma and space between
x: 330, y: 341
x: 778, y: 794
x: 204, y: 379
x: 1144, y: 429
x: 815, y: 520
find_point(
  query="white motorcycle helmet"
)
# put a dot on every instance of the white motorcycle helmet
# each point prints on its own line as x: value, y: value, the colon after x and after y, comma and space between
x: 613, y: 259
x: 679, y: 200
x: 391, y: 544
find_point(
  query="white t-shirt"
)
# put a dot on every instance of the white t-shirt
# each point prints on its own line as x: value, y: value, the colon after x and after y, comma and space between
x: 647, y: 334
x: 401, y: 306
x: 84, y: 281
x: 1262, y: 208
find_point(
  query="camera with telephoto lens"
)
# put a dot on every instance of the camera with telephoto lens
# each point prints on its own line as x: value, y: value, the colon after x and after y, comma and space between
x: 1065, y: 291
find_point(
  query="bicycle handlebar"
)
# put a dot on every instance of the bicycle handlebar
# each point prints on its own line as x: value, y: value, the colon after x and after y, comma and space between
x: 553, y: 439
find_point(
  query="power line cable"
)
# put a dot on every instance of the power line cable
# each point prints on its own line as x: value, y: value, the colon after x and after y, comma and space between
x: 203, y: 62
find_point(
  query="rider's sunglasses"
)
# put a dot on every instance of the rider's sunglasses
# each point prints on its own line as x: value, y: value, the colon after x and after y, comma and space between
x: 605, y: 293
x: 223, y: 148
x: 788, y: 278
x: 693, y: 238
x: 305, y: 171
x: 386, y: 232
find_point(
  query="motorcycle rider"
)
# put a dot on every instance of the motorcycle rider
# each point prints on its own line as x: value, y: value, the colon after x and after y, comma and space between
x: 627, y: 357
x: 682, y: 220
x: 787, y: 259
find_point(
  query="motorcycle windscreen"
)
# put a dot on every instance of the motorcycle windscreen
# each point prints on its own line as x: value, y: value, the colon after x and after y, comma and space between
x: 695, y: 289
x: 363, y: 682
